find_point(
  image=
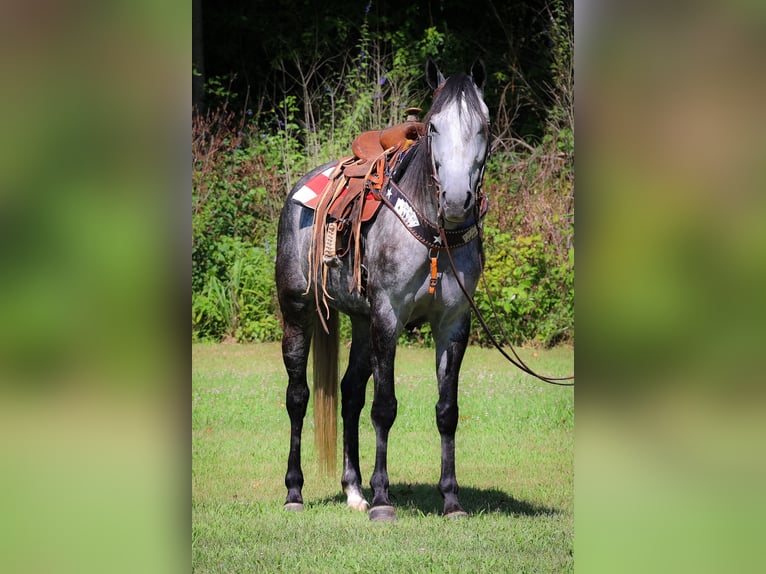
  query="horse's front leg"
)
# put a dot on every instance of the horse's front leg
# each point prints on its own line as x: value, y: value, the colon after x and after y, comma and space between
x: 353, y: 388
x: 384, y: 333
x: 450, y: 348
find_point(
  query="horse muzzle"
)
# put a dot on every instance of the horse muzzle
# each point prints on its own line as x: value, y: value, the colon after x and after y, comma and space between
x: 457, y: 210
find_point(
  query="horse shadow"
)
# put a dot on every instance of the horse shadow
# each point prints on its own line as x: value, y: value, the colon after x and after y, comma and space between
x: 425, y: 499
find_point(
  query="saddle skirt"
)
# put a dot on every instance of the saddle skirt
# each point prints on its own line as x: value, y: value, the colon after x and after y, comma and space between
x: 310, y: 194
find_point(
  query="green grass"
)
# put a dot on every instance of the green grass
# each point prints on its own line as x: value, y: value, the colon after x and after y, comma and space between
x: 515, y: 465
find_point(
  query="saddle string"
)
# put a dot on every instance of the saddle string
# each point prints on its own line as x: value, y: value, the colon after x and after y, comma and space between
x: 322, y: 246
x: 317, y: 270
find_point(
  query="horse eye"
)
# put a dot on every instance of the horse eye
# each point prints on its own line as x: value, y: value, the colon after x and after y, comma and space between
x: 432, y: 128
x: 437, y: 165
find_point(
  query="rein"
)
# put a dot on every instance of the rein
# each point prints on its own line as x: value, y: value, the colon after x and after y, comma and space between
x: 518, y: 362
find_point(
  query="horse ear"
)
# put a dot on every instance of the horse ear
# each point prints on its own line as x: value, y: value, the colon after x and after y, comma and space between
x: 479, y: 74
x: 433, y: 76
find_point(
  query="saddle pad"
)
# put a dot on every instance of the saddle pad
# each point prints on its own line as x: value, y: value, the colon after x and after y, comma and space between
x: 311, y: 192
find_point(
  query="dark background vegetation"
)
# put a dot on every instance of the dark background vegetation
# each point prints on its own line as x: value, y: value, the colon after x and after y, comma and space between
x: 265, y: 45
x: 281, y: 87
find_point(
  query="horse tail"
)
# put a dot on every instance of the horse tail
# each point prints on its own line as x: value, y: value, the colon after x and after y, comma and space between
x: 325, y: 352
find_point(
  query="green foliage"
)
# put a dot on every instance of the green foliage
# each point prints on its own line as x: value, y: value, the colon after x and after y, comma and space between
x: 357, y: 105
x: 529, y: 289
x: 291, y: 48
x: 528, y: 241
x: 383, y: 78
x: 242, y: 304
x: 219, y: 89
x: 245, y: 162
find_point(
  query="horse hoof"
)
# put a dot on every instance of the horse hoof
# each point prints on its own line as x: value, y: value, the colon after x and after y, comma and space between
x: 383, y: 514
x: 456, y: 515
x: 355, y: 500
x: 360, y: 505
x: 294, y: 506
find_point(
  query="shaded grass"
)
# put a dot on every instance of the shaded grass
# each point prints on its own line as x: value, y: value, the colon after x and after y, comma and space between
x: 514, y: 464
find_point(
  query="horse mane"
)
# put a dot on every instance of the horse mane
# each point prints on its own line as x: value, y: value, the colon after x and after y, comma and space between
x: 417, y: 177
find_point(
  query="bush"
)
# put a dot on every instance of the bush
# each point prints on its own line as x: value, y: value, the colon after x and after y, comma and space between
x: 529, y: 289
x: 529, y: 246
x: 242, y: 305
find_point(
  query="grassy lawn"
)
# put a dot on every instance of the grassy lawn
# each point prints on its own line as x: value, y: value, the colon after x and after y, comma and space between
x: 515, y: 466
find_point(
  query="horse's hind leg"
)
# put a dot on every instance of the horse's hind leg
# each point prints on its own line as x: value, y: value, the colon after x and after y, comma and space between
x: 450, y: 348
x: 296, y: 342
x: 353, y: 388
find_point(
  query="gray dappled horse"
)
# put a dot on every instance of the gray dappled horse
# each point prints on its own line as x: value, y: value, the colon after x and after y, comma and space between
x: 441, y: 179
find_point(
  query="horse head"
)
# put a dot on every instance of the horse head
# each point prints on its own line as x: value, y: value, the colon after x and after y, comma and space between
x: 458, y: 140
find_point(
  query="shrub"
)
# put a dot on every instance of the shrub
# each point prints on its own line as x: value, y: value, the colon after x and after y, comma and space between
x: 529, y: 289
x: 529, y: 241
x: 242, y: 305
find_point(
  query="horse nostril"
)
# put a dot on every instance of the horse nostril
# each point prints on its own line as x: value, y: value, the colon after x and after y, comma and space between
x: 467, y: 203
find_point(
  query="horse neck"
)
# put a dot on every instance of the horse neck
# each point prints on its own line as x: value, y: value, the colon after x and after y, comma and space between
x: 417, y: 182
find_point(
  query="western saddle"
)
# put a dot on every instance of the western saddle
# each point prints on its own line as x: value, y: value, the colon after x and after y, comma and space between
x: 352, y: 196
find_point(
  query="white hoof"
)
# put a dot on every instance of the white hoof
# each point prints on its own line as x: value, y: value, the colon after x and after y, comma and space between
x: 357, y: 502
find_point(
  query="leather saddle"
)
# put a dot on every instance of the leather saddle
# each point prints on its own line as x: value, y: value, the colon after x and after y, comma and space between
x: 370, y: 145
x: 351, y: 197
